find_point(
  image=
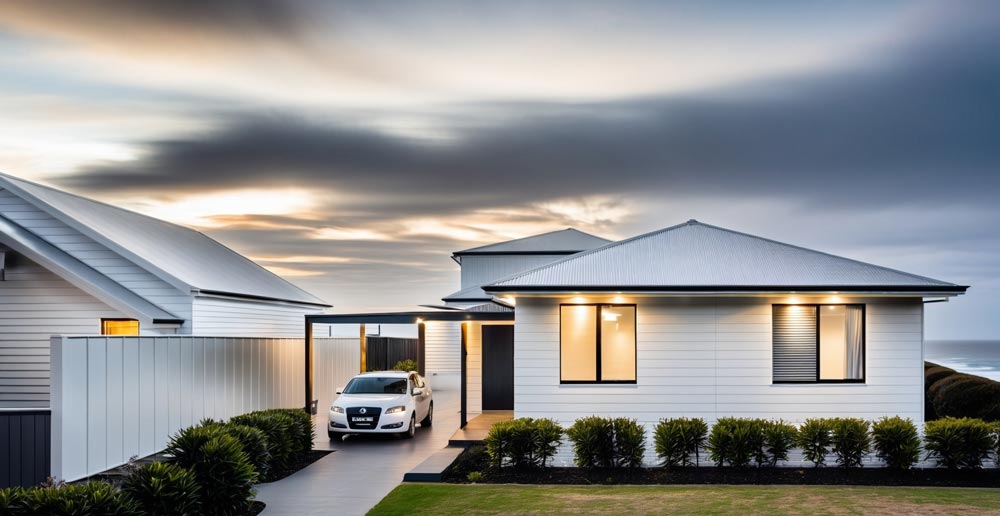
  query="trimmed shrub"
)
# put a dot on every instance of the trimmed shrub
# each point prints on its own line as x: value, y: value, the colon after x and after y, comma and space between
x: 593, y: 442
x: 996, y: 443
x: 254, y: 443
x: 13, y: 501
x: 162, y: 489
x: 963, y: 395
x: 302, y: 432
x: 815, y: 438
x: 676, y: 440
x: 851, y: 441
x: 406, y: 365
x: 735, y: 441
x: 97, y: 498
x: 958, y: 443
x: 221, y: 466
x: 277, y: 431
x: 600, y: 442
x: 896, y: 442
x: 630, y: 443
x: 934, y: 373
x: 779, y: 439
x: 523, y: 442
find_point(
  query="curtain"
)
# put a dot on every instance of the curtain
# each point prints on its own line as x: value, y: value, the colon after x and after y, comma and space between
x: 855, y: 343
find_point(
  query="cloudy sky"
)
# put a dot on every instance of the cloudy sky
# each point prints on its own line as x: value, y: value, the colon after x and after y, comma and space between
x: 352, y: 146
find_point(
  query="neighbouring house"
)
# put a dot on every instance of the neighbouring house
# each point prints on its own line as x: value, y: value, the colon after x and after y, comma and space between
x: 72, y: 265
x: 693, y: 320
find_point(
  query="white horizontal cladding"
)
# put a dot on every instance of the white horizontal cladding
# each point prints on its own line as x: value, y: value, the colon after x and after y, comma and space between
x: 442, y: 347
x: 97, y: 256
x: 118, y: 397
x: 711, y: 358
x: 248, y: 318
x: 335, y: 362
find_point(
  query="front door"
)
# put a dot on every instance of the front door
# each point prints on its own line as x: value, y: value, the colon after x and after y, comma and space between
x: 498, y: 367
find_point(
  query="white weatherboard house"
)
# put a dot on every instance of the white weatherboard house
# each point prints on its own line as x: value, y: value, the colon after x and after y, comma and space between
x: 71, y: 265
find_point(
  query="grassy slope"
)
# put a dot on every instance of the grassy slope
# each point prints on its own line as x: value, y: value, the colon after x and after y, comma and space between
x: 445, y: 500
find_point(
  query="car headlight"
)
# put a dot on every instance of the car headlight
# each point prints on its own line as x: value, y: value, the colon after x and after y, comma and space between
x: 339, y: 410
x: 394, y: 410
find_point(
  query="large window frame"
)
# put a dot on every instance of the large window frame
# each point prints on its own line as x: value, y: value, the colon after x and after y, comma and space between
x: 597, y: 323
x: 864, y: 346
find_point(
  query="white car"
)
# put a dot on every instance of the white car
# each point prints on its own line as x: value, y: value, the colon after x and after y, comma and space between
x: 380, y: 403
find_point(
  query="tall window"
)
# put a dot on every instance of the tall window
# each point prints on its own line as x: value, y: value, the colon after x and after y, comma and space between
x: 597, y: 343
x: 818, y: 343
x: 119, y: 327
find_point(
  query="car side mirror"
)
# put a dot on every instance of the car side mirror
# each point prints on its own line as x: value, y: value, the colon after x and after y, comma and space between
x: 418, y: 392
x: 340, y: 390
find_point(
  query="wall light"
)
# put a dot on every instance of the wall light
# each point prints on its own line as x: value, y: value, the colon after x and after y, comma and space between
x: 420, y: 321
x: 618, y: 299
x: 578, y: 299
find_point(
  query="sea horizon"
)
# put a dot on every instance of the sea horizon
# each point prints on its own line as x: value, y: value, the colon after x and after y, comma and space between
x: 978, y: 357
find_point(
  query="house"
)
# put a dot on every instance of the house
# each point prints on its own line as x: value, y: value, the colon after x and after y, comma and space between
x: 71, y: 265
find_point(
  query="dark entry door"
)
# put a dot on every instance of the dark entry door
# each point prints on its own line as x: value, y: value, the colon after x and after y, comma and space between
x: 498, y: 367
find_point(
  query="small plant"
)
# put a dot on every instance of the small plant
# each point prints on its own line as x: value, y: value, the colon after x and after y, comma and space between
x: 629, y: 443
x: 162, y: 489
x: 220, y: 465
x: 896, y: 442
x: 593, y: 442
x: 815, y: 438
x: 676, y: 440
x: 958, y: 443
x: 735, y: 441
x: 851, y: 441
x: 475, y: 477
x: 523, y: 442
x: 278, y: 432
x: 996, y: 443
x: 779, y: 439
x: 81, y: 499
x: 405, y: 365
x: 13, y: 501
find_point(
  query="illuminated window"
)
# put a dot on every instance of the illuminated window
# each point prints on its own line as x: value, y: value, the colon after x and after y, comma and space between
x: 818, y: 343
x: 119, y: 327
x: 597, y: 343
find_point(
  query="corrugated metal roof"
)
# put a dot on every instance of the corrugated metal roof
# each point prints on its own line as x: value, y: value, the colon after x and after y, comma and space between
x: 563, y: 241
x: 693, y: 255
x: 475, y: 293
x: 181, y: 256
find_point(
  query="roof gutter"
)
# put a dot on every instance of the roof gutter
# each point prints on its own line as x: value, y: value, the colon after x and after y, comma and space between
x: 234, y: 295
x: 929, y: 290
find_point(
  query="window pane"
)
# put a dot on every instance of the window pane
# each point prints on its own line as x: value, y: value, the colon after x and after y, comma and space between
x: 794, y: 343
x: 126, y: 327
x: 578, y: 343
x: 832, y: 343
x: 855, y: 332
x: 618, y: 343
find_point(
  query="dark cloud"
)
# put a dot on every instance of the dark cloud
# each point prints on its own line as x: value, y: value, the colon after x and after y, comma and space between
x: 918, y: 123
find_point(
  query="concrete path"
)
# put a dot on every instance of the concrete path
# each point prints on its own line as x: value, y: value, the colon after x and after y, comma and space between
x: 361, y: 471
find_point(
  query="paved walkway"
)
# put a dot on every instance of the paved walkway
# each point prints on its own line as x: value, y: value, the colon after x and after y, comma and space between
x: 361, y: 471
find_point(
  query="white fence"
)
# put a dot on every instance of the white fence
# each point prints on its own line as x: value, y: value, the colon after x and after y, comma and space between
x: 118, y: 397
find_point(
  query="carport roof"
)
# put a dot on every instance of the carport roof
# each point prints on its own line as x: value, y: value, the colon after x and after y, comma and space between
x: 409, y: 317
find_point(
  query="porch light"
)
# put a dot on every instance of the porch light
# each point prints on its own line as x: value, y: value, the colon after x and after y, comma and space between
x: 420, y: 321
x: 578, y: 299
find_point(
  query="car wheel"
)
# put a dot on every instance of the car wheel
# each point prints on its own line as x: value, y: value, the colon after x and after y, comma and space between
x: 331, y: 434
x: 430, y: 416
x: 412, y: 430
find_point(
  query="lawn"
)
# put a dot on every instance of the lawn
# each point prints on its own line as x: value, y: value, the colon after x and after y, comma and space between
x: 450, y: 499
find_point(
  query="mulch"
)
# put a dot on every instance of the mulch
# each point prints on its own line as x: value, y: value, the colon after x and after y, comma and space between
x: 303, y: 462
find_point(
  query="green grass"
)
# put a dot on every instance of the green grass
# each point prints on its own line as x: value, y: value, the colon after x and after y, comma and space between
x: 445, y: 500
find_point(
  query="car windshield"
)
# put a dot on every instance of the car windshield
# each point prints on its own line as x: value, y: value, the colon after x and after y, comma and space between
x: 376, y: 385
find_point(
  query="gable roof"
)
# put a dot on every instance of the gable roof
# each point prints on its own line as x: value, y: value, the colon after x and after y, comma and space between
x: 696, y: 257
x: 181, y: 256
x: 563, y: 241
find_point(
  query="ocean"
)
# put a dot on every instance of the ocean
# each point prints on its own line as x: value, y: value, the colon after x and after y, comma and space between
x: 978, y: 357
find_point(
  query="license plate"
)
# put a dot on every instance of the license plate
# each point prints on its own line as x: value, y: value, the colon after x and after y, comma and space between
x: 360, y: 419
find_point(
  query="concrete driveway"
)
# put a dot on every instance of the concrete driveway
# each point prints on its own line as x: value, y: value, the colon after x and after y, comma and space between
x: 362, y: 470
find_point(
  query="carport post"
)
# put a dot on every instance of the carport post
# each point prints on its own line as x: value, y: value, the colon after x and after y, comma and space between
x: 363, y: 342
x: 309, y: 365
x: 421, y: 354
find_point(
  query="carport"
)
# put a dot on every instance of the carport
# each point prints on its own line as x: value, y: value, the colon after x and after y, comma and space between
x: 415, y: 317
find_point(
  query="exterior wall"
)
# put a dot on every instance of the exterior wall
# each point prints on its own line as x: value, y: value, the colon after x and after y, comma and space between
x: 480, y: 269
x: 335, y: 362
x: 443, y: 354
x: 34, y: 305
x: 237, y: 318
x: 711, y: 358
x: 97, y: 256
x: 115, y: 397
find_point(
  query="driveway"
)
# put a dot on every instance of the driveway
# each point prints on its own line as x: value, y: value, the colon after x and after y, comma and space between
x: 362, y: 470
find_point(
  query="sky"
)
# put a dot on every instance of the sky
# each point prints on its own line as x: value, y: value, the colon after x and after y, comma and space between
x: 352, y: 146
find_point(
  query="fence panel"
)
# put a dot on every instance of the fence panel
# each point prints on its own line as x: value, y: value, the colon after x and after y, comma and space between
x: 384, y: 352
x: 24, y: 456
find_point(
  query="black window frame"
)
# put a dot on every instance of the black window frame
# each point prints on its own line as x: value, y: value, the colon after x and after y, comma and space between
x: 818, y: 380
x: 597, y: 322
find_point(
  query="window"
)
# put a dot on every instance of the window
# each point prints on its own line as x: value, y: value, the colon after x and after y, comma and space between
x: 597, y: 343
x: 119, y: 327
x: 376, y: 385
x: 818, y: 343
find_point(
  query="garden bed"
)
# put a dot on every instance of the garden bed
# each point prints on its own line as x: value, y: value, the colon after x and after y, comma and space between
x: 301, y: 462
x: 474, y: 459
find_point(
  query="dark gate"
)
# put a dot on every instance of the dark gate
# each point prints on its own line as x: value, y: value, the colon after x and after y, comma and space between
x: 498, y: 367
x: 25, y: 446
x: 384, y: 352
